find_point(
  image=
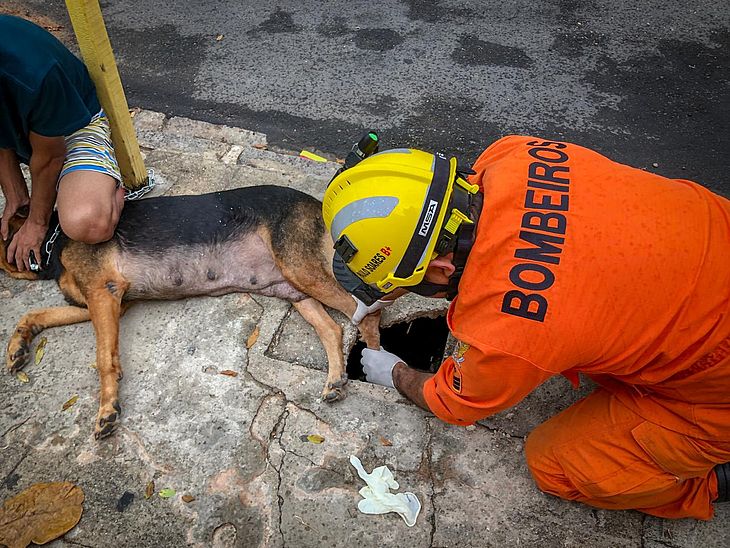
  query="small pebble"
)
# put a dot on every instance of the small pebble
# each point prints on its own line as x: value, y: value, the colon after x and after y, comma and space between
x: 654, y: 165
x: 471, y: 428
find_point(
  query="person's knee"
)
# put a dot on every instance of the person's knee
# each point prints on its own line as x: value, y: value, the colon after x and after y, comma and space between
x: 545, y: 466
x: 537, y: 454
x: 88, y: 223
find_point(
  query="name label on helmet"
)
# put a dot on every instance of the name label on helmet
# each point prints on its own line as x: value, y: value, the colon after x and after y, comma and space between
x: 372, y: 265
x: 430, y: 212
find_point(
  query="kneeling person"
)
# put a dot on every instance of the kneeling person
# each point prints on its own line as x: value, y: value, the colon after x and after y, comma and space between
x: 50, y: 119
x: 559, y: 262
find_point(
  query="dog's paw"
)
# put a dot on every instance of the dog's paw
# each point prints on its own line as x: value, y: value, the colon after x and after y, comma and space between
x: 18, y: 353
x: 335, y: 391
x: 107, y: 420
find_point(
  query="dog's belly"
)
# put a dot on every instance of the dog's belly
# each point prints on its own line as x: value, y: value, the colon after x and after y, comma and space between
x: 241, y: 266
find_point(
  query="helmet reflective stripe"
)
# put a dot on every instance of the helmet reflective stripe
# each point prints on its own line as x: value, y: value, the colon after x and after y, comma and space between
x: 366, y: 208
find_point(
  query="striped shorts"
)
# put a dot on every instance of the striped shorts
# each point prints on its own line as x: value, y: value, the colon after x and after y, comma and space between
x: 90, y: 149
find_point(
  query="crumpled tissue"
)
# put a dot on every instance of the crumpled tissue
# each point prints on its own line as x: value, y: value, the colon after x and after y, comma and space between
x: 377, y: 498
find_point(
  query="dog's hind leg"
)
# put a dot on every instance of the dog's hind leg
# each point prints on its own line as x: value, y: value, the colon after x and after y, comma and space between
x: 32, y: 324
x: 105, y: 309
x: 330, y: 333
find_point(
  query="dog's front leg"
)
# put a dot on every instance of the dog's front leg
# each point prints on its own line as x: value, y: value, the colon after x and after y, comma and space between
x: 370, y: 330
x: 330, y: 333
x: 32, y: 324
x: 105, y: 310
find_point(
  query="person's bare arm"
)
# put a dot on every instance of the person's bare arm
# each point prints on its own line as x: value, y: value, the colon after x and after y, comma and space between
x: 409, y: 382
x: 46, y: 162
x: 13, y: 188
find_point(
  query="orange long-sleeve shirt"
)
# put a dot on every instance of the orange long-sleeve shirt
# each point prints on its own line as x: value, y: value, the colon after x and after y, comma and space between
x: 585, y: 265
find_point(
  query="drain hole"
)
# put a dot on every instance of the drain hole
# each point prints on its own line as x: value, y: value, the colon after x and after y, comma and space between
x: 420, y: 343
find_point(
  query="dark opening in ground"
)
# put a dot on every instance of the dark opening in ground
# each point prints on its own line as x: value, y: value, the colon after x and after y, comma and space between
x: 420, y: 343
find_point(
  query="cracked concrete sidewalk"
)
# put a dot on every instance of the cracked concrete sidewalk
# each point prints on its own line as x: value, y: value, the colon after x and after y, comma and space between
x: 235, y: 443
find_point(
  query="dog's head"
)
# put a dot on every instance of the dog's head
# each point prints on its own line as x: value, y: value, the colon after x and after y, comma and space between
x: 15, y: 223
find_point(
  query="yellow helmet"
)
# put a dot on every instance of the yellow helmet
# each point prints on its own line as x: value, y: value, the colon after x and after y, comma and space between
x: 392, y: 213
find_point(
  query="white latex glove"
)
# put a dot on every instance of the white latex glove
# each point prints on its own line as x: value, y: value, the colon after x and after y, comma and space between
x: 378, y: 366
x: 377, y: 498
x: 363, y: 309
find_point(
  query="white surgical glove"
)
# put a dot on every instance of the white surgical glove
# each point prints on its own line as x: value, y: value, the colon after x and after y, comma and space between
x: 363, y: 309
x: 377, y: 498
x: 378, y: 366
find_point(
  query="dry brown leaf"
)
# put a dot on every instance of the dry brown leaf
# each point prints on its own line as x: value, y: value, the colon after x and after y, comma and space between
x: 149, y: 490
x: 252, y: 338
x: 188, y: 498
x: 22, y: 376
x: 385, y: 442
x: 40, y: 350
x: 261, y: 146
x: 219, y: 37
x: 41, y: 513
x: 92, y: 365
x: 72, y: 400
x: 229, y: 373
x: 340, y: 160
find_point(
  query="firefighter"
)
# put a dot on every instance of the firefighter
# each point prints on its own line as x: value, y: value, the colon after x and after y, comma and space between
x: 558, y: 261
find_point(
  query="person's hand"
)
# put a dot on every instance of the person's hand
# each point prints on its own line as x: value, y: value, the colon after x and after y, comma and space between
x: 28, y: 238
x: 11, y: 209
x: 363, y: 309
x: 378, y: 366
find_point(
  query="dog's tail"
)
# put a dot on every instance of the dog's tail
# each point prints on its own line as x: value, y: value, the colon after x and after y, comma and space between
x: 32, y: 324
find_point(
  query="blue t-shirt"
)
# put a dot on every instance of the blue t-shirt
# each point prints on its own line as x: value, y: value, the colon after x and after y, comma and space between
x: 44, y: 88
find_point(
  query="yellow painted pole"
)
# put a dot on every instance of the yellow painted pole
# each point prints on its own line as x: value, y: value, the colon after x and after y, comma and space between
x: 96, y: 50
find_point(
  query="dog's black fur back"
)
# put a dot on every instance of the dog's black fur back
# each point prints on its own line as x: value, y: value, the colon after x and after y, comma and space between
x: 157, y: 224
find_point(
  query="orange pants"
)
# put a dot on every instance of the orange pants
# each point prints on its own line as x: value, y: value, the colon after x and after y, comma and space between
x: 601, y: 453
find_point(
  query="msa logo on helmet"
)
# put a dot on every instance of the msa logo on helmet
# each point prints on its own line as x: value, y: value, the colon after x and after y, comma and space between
x: 430, y: 212
x: 372, y: 265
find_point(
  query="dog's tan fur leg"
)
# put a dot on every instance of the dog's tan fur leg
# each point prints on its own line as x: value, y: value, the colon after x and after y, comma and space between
x: 115, y: 354
x: 32, y: 324
x: 330, y: 334
x: 321, y: 285
x: 370, y: 330
x: 105, y: 309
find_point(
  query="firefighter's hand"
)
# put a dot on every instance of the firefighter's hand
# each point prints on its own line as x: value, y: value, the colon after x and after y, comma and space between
x: 378, y: 366
x: 363, y: 309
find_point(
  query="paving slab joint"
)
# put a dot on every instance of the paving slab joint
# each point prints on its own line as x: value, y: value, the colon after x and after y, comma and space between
x: 280, y: 426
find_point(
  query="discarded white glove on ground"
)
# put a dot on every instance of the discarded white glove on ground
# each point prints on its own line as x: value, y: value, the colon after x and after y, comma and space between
x: 363, y: 309
x: 377, y: 496
x: 378, y: 366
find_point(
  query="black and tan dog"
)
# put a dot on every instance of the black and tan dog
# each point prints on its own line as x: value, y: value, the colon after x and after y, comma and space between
x: 267, y: 240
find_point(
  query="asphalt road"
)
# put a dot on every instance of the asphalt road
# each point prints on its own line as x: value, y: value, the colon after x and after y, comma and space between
x: 645, y: 83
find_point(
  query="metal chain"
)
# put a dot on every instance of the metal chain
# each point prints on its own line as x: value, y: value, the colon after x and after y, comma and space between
x: 137, y: 194
x: 50, y: 242
x: 133, y: 195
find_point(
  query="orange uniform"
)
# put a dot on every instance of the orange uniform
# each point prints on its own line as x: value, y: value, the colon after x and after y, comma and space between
x: 583, y: 265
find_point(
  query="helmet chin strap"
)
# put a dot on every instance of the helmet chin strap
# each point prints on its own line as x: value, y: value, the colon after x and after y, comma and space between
x: 463, y: 244
x: 427, y: 289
